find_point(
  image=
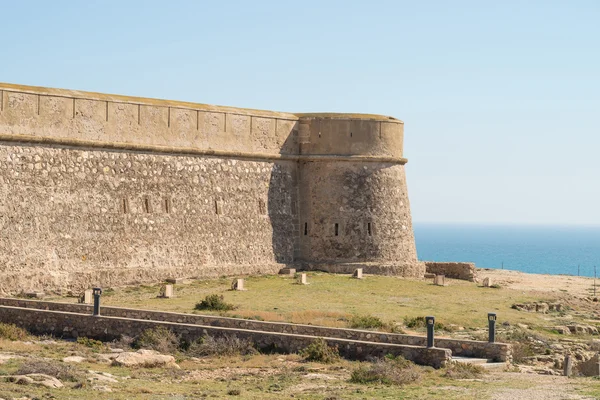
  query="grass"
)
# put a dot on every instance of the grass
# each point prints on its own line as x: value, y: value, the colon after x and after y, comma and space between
x: 387, y: 371
x: 12, y: 332
x: 331, y: 300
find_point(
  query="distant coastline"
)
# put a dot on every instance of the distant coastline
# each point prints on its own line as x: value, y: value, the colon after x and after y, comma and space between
x: 538, y: 249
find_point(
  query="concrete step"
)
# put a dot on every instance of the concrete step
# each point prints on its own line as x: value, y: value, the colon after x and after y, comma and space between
x: 482, y: 362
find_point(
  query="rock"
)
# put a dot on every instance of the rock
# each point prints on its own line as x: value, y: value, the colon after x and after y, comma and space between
x: 5, y: 357
x: 101, y: 377
x: 74, y: 359
x: 102, y: 388
x: 145, y: 358
x: 542, y: 308
x: 564, y: 330
x: 590, y: 367
x: 35, y: 379
x: 522, y: 326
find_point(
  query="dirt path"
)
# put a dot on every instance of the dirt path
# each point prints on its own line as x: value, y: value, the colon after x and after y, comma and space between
x: 542, y: 387
x: 575, y: 285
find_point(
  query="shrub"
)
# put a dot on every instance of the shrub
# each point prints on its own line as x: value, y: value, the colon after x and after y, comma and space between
x: 12, y: 332
x: 53, y: 368
x: 365, y: 322
x: 320, y: 351
x: 221, y: 346
x: 214, y: 302
x: 160, y: 339
x: 91, y: 343
x: 419, y: 322
x: 388, y: 371
x: 464, y: 371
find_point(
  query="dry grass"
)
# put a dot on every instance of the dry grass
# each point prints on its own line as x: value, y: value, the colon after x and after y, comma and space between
x: 388, y: 371
x: 12, y: 332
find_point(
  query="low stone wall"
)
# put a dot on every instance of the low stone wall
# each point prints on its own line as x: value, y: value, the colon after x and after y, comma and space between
x: 406, y: 270
x: 463, y: 348
x: 455, y: 270
x: 72, y: 325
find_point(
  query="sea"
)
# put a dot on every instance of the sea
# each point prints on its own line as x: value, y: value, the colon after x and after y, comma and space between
x: 567, y: 250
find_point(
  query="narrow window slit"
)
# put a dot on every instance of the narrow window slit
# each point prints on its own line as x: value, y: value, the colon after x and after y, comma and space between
x: 167, y: 205
x: 125, y: 206
x: 369, y: 228
x: 147, y: 205
x: 337, y: 229
x: 305, y: 228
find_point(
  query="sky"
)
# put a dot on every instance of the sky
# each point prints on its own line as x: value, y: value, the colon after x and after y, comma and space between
x: 501, y: 100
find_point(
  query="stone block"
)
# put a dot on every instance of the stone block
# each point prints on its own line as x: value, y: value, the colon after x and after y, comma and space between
x: 358, y: 273
x: 238, y: 284
x: 590, y: 367
x: 303, y: 280
x: 439, y: 280
x: 87, y: 297
x: 34, y: 295
x: 487, y: 282
x: 568, y: 366
x: 429, y: 275
x: 166, y: 292
x: 541, y: 308
x: 287, y: 271
x: 175, y: 281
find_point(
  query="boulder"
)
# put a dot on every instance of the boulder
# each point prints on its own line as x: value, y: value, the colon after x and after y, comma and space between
x: 144, y: 358
x: 35, y: 379
x: 590, y: 367
x: 74, y: 359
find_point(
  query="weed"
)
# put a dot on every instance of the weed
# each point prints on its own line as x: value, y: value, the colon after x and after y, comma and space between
x: 160, y: 339
x: 365, y: 322
x: 221, y: 346
x: 320, y: 351
x: 12, y: 332
x: 214, y: 302
x: 419, y: 322
x: 53, y: 368
x: 91, y: 343
x: 234, y: 392
x: 388, y: 371
x: 496, y: 286
x: 463, y: 371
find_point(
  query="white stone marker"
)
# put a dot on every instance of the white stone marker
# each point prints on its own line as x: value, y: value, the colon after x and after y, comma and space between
x: 358, y: 273
x: 439, y: 280
x: 303, y: 279
x: 487, y: 282
x: 167, y: 292
x: 237, y: 284
x: 88, y: 297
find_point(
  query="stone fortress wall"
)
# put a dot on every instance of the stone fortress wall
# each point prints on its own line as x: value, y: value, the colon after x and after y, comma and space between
x: 110, y: 190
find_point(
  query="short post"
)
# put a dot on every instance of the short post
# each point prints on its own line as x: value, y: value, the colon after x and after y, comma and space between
x: 568, y: 365
x: 492, y: 327
x: 430, y: 322
x: 97, y: 292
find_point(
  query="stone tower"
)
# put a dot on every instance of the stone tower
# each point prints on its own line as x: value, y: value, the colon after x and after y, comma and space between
x: 112, y: 190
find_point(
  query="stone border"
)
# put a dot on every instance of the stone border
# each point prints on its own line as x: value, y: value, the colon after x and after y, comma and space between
x: 72, y: 325
x: 459, y: 347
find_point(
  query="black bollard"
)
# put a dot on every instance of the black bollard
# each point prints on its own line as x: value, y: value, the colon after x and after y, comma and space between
x: 492, y: 327
x: 97, y: 292
x: 430, y: 322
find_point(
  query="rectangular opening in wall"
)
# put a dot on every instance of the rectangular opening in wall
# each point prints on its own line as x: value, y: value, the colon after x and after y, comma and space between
x: 147, y: 205
x: 167, y: 205
x: 125, y: 206
x: 337, y: 229
x: 262, y: 207
x: 218, y: 207
x: 305, y: 228
x: 369, y: 232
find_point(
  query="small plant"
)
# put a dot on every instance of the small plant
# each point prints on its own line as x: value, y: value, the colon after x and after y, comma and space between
x: 53, y: 368
x: 160, y: 339
x: 221, y: 346
x: 234, y: 392
x: 419, y: 322
x: 320, y: 351
x: 12, y: 332
x: 388, y: 371
x: 365, y: 322
x: 463, y: 371
x: 91, y: 343
x: 214, y: 302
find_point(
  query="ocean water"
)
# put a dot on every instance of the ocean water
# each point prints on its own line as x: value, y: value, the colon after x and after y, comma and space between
x: 535, y: 249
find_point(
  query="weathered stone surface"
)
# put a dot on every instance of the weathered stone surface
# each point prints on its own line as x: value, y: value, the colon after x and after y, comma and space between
x: 111, y: 190
x: 35, y: 379
x: 487, y: 282
x: 590, y: 367
x: 74, y: 359
x: 287, y: 271
x: 439, y: 280
x: 454, y: 270
x: 237, y: 284
x: 358, y: 273
x: 166, y: 292
x: 145, y: 358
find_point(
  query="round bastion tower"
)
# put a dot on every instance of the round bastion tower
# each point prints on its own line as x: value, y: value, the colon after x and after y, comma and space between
x: 353, y: 200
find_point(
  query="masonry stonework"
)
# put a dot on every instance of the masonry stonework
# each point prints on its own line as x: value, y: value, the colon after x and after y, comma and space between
x: 110, y: 190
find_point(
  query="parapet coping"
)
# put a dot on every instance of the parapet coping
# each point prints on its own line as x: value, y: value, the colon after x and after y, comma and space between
x: 225, y: 329
x: 92, y: 144
x: 115, y: 98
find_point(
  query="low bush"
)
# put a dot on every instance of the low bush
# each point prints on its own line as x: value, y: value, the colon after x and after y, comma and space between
x: 387, y: 371
x: 91, y: 343
x: 214, y: 302
x: 320, y: 351
x: 419, y: 322
x: 160, y: 339
x: 53, y: 368
x: 365, y: 322
x: 12, y: 332
x: 221, y: 346
x: 463, y: 371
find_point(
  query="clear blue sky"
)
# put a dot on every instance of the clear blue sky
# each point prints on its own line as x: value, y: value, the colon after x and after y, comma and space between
x: 501, y: 100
